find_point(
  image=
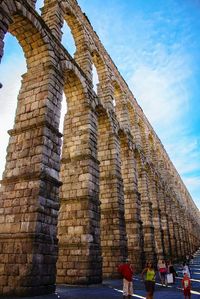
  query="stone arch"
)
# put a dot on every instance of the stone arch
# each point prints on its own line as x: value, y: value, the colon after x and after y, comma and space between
x: 159, y: 160
x: 13, y: 65
x: 134, y: 128
x: 28, y: 31
x: 55, y: 13
x: 105, y: 88
x: 74, y: 86
x: 96, y: 182
x: 151, y: 145
x: 142, y: 130
x: 121, y: 109
x: 81, y: 39
x: 32, y: 165
x: 34, y: 95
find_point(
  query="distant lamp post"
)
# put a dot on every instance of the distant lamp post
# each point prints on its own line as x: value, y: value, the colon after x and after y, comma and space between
x: 1, y: 85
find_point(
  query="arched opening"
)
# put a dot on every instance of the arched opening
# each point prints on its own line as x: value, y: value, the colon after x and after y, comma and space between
x: 95, y: 78
x: 62, y: 118
x: 81, y: 44
x: 13, y: 65
x: 120, y: 105
x: 104, y: 89
x: 99, y: 69
x: 63, y: 113
x: 68, y: 40
x: 39, y: 4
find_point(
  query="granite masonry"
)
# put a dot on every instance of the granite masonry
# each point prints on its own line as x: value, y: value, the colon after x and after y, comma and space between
x: 75, y: 204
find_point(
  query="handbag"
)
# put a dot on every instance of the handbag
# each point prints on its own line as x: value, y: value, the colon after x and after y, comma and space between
x: 170, y: 278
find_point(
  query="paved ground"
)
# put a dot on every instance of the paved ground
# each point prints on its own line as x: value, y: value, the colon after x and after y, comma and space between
x: 111, y: 289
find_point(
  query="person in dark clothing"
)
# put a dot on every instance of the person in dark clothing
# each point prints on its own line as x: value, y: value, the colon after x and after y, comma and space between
x: 172, y: 270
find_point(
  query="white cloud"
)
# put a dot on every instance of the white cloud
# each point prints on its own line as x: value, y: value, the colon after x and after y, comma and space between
x: 161, y: 88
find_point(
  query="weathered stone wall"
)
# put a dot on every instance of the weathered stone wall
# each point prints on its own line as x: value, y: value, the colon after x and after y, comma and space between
x: 112, y: 193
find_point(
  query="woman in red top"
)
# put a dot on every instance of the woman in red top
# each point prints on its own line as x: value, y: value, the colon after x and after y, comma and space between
x: 126, y: 271
x: 186, y: 283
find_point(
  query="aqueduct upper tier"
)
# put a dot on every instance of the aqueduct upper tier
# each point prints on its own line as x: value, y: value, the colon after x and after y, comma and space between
x: 112, y: 193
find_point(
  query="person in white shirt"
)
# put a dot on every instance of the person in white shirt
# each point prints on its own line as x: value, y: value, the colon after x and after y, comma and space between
x: 186, y: 270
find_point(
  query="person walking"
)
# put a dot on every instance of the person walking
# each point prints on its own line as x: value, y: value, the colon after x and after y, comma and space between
x: 186, y: 270
x: 149, y: 279
x: 162, y: 269
x: 186, y: 283
x: 172, y: 271
x: 187, y: 259
x: 126, y: 270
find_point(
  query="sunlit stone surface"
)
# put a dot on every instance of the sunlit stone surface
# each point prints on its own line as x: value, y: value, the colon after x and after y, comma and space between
x: 113, y: 192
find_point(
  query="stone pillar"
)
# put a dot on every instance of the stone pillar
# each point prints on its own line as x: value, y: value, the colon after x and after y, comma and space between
x: 79, y: 260
x: 137, y: 134
x: 29, y: 190
x: 171, y: 224
x: 146, y: 213
x: 164, y: 221
x: 145, y: 142
x: 156, y: 212
x: 122, y: 111
x: 184, y: 231
x: 84, y: 59
x: 113, y: 231
x: 188, y: 247
x: 52, y: 14
x: 105, y: 89
x: 132, y: 205
x: 190, y: 229
x: 182, y: 253
x: 176, y: 230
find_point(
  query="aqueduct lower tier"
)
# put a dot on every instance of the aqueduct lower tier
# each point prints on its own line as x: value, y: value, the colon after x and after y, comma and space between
x: 114, y: 193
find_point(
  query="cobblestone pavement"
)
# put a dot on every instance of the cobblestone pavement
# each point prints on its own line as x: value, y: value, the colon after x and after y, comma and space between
x: 111, y: 289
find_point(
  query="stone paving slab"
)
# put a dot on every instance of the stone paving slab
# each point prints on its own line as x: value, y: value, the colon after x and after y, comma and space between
x: 111, y: 289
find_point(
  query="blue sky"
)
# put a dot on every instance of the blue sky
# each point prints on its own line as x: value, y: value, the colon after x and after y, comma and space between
x: 156, y: 46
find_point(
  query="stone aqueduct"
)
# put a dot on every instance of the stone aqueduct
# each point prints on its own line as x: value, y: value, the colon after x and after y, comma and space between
x: 114, y: 193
